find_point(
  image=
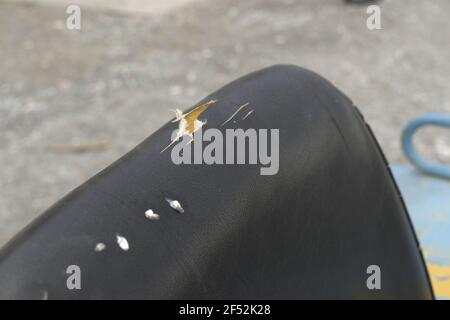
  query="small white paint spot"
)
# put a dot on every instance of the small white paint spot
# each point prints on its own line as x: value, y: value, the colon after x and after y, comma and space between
x: 174, y: 204
x: 149, y: 214
x: 100, y: 247
x: 122, y: 242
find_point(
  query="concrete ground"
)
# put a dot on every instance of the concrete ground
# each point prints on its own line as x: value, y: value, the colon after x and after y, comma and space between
x: 111, y: 83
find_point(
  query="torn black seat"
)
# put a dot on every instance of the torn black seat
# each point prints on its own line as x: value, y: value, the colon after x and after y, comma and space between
x: 312, y: 229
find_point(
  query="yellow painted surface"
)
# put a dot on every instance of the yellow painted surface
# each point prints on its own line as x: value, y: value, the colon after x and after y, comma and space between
x: 440, y: 279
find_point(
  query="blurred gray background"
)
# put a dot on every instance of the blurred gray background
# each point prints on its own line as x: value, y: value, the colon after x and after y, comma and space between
x: 73, y: 101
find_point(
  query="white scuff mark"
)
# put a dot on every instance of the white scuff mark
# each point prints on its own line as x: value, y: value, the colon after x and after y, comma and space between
x: 149, y: 214
x: 100, y: 247
x: 175, y: 204
x: 45, y: 295
x: 249, y: 113
x: 122, y: 242
x: 235, y: 113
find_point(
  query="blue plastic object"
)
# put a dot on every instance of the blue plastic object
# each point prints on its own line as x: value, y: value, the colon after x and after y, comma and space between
x: 428, y: 202
x: 426, y: 166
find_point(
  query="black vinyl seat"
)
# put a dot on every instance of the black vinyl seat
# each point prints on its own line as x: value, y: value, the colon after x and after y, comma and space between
x: 309, y: 231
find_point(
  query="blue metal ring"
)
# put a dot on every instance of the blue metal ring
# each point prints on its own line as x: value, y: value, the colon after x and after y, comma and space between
x: 435, y: 119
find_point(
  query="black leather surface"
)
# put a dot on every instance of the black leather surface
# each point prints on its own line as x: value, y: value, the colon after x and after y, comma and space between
x: 308, y: 232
